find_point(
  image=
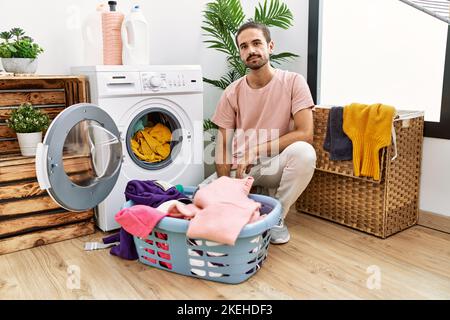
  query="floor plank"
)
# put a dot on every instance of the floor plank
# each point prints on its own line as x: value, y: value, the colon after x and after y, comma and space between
x: 323, y: 260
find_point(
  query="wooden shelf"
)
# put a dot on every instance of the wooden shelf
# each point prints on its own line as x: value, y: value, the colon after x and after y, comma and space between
x: 28, y: 215
x: 39, y: 76
x: 51, y: 94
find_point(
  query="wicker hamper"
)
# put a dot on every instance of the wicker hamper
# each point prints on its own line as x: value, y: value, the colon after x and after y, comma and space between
x: 381, y: 208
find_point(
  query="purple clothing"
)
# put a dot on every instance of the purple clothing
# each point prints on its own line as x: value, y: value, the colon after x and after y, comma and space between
x: 265, y: 209
x: 145, y: 193
x: 126, y: 249
x: 149, y: 194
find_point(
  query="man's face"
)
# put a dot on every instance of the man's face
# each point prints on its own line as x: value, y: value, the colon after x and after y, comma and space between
x: 253, y: 48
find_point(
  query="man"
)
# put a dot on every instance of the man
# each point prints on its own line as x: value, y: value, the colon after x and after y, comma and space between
x: 265, y: 119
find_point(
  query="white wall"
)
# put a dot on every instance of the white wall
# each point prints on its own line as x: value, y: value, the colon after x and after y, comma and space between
x: 176, y: 39
x: 403, y: 37
x: 435, y: 179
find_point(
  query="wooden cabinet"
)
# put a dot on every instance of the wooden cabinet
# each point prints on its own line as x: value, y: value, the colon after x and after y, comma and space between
x: 28, y: 216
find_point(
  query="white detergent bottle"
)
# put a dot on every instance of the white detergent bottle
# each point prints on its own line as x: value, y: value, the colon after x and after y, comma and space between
x: 92, y: 37
x: 135, y: 38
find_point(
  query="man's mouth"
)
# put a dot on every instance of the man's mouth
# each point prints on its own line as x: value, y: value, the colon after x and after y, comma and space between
x: 253, y: 58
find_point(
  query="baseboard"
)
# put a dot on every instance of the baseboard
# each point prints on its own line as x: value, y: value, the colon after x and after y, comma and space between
x: 434, y: 221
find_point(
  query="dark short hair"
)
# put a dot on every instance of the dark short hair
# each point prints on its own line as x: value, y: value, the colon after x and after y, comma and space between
x: 254, y: 25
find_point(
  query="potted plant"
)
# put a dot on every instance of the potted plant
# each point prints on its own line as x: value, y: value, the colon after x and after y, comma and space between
x: 222, y: 19
x: 28, y: 123
x: 18, y: 52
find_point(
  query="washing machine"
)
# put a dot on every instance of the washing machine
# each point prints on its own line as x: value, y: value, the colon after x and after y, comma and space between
x: 88, y: 155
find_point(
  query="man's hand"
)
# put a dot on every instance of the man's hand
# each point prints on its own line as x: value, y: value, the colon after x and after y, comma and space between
x: 246, y: 163
x: 223, y: 163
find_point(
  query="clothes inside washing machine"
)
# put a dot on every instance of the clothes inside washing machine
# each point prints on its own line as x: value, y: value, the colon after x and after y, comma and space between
x: 151, y: 139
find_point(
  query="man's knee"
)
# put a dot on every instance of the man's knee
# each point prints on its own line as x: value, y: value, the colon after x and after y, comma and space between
x: 301, y: 154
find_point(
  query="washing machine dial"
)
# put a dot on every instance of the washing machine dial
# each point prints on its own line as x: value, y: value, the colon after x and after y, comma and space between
x: 155, y: 82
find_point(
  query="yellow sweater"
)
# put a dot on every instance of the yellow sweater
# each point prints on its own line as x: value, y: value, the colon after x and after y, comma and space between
x: 152, y: 144
x: 369, y: 128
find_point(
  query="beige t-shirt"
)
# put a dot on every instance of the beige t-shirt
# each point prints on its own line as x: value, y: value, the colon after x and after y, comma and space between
x: 264, y: 114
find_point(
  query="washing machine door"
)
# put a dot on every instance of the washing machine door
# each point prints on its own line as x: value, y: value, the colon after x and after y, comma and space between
x: 80, y: 159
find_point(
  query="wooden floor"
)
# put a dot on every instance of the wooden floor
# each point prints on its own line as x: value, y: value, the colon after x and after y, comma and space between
x: 323, y: 260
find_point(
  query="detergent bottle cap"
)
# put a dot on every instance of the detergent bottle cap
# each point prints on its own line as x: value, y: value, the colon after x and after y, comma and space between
x: 112, y: 5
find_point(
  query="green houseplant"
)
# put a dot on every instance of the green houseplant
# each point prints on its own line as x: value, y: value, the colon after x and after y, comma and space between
x: 28, y: 123
x: 222, y: 19
x: 18, y: 51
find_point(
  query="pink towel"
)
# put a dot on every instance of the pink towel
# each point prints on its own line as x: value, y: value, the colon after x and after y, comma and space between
x: 226, y: 209
x: 139, y: 220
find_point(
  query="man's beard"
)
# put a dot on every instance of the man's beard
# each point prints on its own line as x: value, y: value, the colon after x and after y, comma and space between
x: 261, y: 63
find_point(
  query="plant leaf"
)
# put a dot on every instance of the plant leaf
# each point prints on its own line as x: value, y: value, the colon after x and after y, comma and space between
x: 5, y: 35
x: 277, y: 15
x: 225, y: 81
x: 283, y: 57
x: 26, y: 119
x: 222, y: 19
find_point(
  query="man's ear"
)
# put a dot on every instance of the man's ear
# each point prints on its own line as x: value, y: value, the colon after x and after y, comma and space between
x: 271, y: 46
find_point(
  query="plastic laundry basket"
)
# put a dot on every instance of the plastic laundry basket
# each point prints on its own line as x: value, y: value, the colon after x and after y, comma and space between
x: 168, y: 248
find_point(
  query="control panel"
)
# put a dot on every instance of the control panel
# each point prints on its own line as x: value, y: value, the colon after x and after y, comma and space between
x: 170, y: 81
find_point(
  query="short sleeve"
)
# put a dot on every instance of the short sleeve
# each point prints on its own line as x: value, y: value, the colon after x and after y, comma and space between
x: 301, y: 95
x: 225, y: 115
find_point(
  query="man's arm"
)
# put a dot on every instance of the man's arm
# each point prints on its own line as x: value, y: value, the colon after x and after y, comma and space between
x: 223, y: 152
x: 304, y: 131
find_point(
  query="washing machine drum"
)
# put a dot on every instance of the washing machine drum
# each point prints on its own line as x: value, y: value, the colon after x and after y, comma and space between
x: 80, y: 159
x: 154, y: 138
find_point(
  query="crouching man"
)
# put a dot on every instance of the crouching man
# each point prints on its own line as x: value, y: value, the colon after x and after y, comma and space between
x: 266, y: 125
